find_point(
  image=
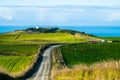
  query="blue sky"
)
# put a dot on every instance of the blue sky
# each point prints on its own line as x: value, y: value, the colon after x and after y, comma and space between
x: 60, y: 12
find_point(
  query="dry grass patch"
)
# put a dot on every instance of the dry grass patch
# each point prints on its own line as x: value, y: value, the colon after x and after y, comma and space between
x: 99, y: 71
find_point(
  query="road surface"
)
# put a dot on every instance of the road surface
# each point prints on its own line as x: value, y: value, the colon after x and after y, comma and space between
x: 43, y: 72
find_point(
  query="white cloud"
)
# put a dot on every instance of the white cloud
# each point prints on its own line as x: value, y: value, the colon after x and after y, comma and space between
x: 6, y: 16
x: 75, y: 15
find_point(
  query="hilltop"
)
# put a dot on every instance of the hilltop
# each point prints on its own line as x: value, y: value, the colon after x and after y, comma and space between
x: 45, y: 35
x: 33, y: 30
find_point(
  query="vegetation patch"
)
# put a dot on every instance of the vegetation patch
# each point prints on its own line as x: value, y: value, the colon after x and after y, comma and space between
x: 17, y: 59
x: 18, y: 50
x: 90, y: 53
x: 98, y: 61
x: 94, y: 72
x: 7, y: 37
x: 39, y: 38
x: 54, y: 37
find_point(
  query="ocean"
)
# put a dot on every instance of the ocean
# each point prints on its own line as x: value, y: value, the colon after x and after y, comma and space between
x: 108, y: 31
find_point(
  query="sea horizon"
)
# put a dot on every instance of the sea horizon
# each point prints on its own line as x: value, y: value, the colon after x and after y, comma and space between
x: 102, y: 31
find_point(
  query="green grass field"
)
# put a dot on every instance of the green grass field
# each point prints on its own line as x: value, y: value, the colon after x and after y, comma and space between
x: 4, y: 37
x: 15, y: 64
x: 17, y: 58
x: 90, y: 53
x: 98, y: 61
x: 19, y: 50
x: 42, y: 38
x: 51, y: 37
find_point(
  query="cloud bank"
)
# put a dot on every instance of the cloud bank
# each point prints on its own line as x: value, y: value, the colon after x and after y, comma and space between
x: 61, y: 15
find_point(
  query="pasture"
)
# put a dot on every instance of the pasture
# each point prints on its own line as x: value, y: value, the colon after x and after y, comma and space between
x: 41, y: 38
x: 98, y: 61
x: 90, y: 53
x: 17, y: 59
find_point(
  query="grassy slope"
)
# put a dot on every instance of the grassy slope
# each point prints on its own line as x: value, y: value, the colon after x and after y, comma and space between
x: 16, y: 59
x: 90, y: 53
x: 88, y: 74
x: 19, y: 50
x: 13, y: 49
x: 104, y: 59
x: 51, y: 37
x: 4, y: 37
x: 43, y: 38
x: 15, y: 64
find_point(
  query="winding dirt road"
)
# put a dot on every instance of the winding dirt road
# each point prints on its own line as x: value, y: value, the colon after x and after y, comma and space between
x: 43, y: 72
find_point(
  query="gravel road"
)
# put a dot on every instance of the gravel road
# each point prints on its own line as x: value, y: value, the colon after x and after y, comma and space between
x: 43, y: 72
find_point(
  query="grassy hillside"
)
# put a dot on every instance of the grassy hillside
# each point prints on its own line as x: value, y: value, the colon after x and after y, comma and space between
x: 40, y: 38
x: 4, y: 37
x: 95, y: 72
x: 100, y: 61
x: 17, y: 59
x: 90, y: 53
x: 44, y: 36
x: 19, y: 50
x: 50, y: 37
x: 15, y: 64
